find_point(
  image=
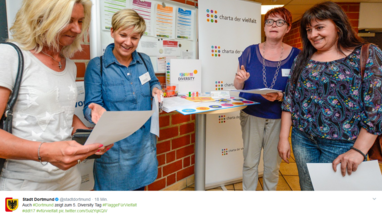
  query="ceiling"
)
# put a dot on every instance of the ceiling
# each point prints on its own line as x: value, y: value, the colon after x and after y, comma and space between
x: 298, y: 7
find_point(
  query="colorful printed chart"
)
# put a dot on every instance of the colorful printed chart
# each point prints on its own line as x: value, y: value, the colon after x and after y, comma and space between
x: 144, y: 9
x: 220, y: 104
x: 165, y: 21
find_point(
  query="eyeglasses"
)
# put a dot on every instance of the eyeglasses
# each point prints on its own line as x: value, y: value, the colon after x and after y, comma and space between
x: 279, y: 22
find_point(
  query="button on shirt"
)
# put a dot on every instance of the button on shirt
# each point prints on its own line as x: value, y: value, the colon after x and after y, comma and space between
x: 131, y: 163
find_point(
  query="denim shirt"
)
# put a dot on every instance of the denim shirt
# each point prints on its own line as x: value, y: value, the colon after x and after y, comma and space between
x: 131, y: 163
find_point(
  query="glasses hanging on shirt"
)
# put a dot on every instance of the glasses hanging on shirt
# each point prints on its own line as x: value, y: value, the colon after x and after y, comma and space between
x: 279, y: 22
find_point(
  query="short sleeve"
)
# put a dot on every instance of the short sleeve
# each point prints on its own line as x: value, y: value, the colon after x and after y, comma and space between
x: 245, y: 57
x: 8, y: 66
x: 289, y: 89
x: 371, y: 115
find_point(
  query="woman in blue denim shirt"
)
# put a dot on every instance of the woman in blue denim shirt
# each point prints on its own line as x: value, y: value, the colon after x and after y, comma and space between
x: 336, y: 114
x: 126, y: 82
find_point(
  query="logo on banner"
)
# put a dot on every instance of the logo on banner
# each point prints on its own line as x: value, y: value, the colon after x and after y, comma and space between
x: 218, y: 85
x: 187, y: 76
x: 224, y: 152
x: 215, y: 51
x: 11, y: 204
x: 221, y: 118
x: 212, y: 16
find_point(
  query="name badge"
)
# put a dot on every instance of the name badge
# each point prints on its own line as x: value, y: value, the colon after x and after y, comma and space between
x: 145, y: 78
x: 285, y: 72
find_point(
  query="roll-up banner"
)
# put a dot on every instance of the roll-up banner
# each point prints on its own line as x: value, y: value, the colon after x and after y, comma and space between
x: 226, y: 28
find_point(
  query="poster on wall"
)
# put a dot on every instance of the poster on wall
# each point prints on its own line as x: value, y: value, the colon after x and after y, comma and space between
x: 108, y: 9
x: 143, y: 8
x: 164, y: 21
x: 187, y: 75
x: 184, y: 24
x: 219, y: 56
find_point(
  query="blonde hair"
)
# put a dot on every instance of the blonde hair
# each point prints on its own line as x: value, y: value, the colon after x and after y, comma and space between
x: 39, y: 23
x: 127, y: 18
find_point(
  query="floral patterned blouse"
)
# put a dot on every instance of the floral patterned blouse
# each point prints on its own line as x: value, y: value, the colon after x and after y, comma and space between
x: 331, y: 101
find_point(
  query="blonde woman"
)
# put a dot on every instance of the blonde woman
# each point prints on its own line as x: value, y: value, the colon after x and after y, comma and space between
x: 39, y: 154
x: 123, y: 80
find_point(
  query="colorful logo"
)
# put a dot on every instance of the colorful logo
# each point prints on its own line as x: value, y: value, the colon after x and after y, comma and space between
x: 221, y: 118
x: 212, y: 16
x: 215, y: 51
x: 11, y: 204
x: 188, y: 74
x: 218, y: 85
x: 224, y: 152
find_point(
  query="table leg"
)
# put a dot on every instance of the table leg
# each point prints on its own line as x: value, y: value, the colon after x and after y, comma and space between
x: 200, y: 152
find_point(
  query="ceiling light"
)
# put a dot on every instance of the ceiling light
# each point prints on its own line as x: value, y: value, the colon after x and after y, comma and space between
x: 266, y: 8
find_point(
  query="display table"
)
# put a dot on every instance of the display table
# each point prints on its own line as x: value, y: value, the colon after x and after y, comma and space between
x: 200, y: 145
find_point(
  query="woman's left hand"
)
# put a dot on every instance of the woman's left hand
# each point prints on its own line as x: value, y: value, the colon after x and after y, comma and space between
x: 157, y: 92
x: 273, y: 96
x: 104, y: 149
x: 349, y: 160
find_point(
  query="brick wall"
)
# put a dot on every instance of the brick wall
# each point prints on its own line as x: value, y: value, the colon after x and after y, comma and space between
x: 175, y: 147
x: 351, y: 10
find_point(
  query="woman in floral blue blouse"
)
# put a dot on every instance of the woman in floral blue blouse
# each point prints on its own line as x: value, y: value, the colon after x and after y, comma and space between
x: 336, y: 116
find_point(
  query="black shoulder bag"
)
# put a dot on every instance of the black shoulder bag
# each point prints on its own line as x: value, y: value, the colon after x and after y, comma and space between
x: 7, y: 117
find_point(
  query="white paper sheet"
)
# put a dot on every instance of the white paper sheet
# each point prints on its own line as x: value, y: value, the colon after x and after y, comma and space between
x: 108, y: 9
x: 149, y: 47
x: 184, y: 24
x: 261, y: 91
x: 173, y: 103
x: 367, y: 177
x: 154, y: 128
x: 117, y: 125
x: 143, y: 8
x: 164, y: 21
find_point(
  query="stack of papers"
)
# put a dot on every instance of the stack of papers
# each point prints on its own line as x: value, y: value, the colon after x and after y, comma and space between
x: 261, y: 91
x: 174, y: 103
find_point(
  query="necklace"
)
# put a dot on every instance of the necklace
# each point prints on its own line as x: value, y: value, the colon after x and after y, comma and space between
x: 277, y: 70
x: 59, y: 62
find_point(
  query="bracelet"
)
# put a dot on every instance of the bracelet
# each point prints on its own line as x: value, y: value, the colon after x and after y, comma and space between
x: 39, y: 157
x: 281, y: 99
x: 359, y: 152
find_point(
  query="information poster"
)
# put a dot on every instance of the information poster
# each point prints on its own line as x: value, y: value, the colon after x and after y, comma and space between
x: 164, y: 21
x: 143, y: 8
x: 184, y: 24
x: 108, y: 9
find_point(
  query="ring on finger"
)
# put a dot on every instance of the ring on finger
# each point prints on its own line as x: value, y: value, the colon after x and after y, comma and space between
x: 79, y: 161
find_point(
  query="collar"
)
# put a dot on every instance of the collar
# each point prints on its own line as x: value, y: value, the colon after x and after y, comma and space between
x: 109, y: 58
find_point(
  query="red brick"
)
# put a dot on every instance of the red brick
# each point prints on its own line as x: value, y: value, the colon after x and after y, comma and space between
x: 157, y: 185
x: 159, y: 173
x: 171, y: 168
x: 354, y: 8
x: 84, y: 54
x: 353, y: 15
x: 193, y: 117
x: 81, y: 68
x: 192, y: 159
x: 170, y: 157
x: 191, y: 3
x: 161, y: 79
x: 180, y: 1
x: 193, y: 138
x: 184, y: 173
x: 168, y: 133
x: 163, y: 147
x: 344, y: 7
x: 179, y: 118
x: 180, y: 142
x: 186, y: 162
x: 171, y: 179
x: 187, y: 128
x: 354, y: 23
x: 164, y: 121
x: 183, y: 152
x: 161, y: 159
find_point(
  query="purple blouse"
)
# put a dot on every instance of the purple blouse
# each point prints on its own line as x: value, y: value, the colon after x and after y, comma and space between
x: 331, y: 101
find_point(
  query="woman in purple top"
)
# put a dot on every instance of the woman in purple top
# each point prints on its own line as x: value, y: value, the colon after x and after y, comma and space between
x: 266, y: 65
x: 336, y: 116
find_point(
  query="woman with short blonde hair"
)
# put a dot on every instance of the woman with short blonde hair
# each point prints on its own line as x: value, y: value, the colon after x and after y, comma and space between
x: 123, y: 80
x: 39, y: 153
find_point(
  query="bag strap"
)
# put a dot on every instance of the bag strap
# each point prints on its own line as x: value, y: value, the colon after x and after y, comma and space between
x: 363, y: 58
x: 7, y: 117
